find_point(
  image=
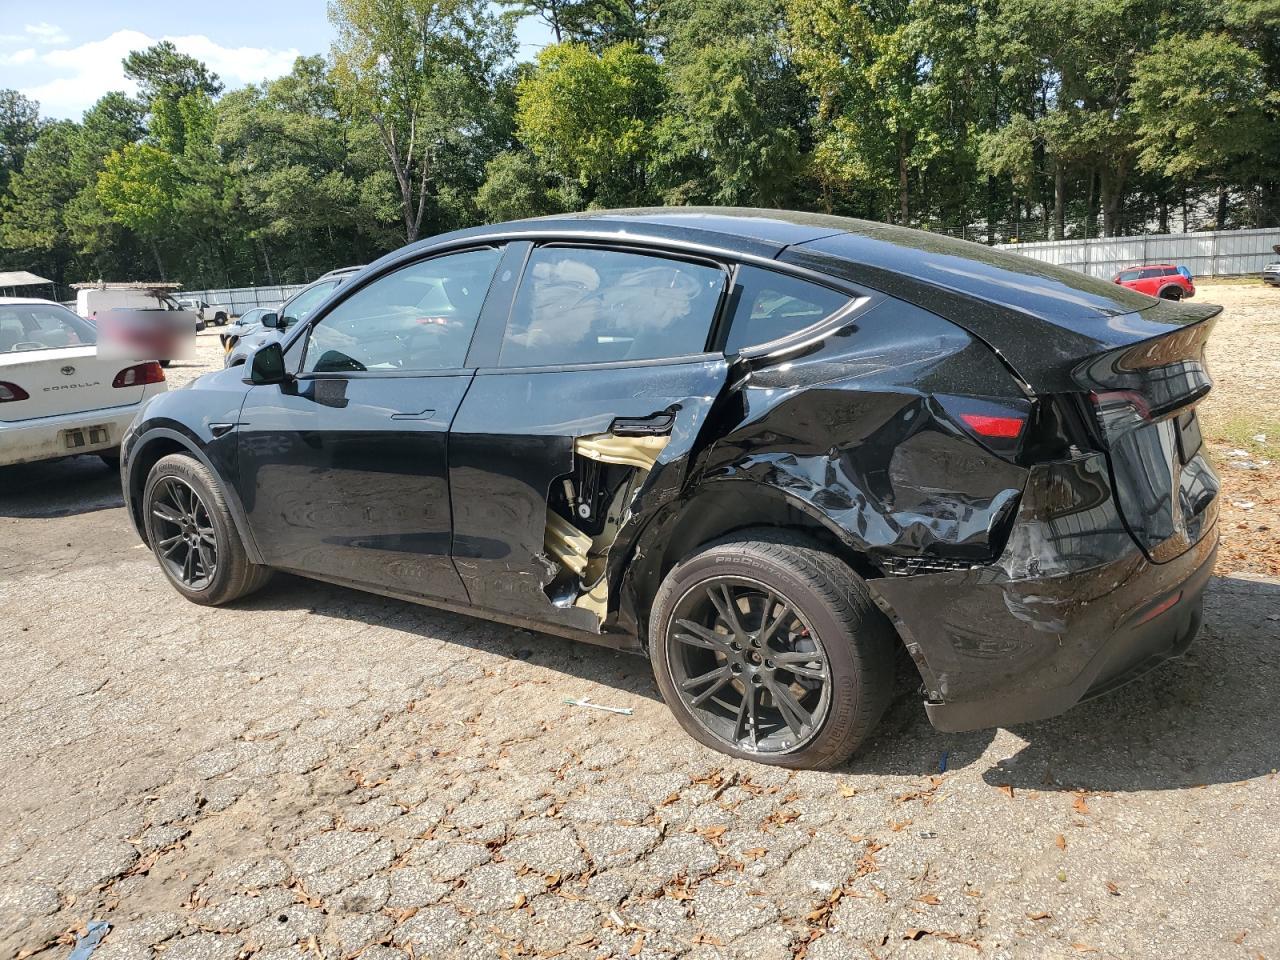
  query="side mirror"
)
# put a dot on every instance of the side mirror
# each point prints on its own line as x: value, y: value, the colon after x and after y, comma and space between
x: 271, y: 320
x: 267, y: 365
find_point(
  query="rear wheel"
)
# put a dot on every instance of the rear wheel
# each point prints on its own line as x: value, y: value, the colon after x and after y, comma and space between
x: 768, y: 648
x: 220, y: 319
x: 193, y: 536
x: 1171, y: 293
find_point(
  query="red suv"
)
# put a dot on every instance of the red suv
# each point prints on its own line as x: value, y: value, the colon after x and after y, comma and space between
x: 1164, y: 280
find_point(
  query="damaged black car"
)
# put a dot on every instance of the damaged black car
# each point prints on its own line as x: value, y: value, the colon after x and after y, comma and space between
x: 768, y: 450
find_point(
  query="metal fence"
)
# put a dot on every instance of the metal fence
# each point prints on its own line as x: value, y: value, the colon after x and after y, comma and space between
x: 1213, y: 253
x: 240, y: 299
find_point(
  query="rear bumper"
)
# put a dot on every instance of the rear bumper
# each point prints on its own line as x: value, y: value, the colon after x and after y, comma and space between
x: 26, y: 441
x: 1073, y: 610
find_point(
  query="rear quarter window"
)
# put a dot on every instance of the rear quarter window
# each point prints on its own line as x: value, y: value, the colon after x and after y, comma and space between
x: 767, y: 306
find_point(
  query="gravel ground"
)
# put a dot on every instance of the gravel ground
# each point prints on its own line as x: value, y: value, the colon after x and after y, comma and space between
x: 321, y: 773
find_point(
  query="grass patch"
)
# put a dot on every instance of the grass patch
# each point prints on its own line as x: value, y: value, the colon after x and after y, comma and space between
x: 1236, y: 431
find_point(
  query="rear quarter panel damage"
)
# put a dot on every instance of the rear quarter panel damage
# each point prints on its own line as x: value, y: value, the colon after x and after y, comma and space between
x: 850, y: 436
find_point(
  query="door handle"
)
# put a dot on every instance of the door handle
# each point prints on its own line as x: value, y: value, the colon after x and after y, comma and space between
x: 424, y: 415
x: 642, y: 426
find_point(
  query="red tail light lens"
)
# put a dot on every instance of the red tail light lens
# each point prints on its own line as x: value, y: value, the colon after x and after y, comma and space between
x: 1003, y: 428
x: 998, y: 425
x: 136, y: 376
x: 11, y: 391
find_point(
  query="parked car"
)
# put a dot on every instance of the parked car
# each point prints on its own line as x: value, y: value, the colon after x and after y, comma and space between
x: 1167, y: 281
x: 1271, y: 274
x: 248, y: 322
x: 215, y: 313
x: 769, y: 450
x: 273, y: 324
x: 58, y: 397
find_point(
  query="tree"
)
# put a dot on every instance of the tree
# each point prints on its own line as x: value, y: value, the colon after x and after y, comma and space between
x: 424, y: 72
x: 19, y: 127
x: 590, y: 117
x: 33, y: 215
x: 516, y: 186
x: 1201, y: 109
x: 731, y: 129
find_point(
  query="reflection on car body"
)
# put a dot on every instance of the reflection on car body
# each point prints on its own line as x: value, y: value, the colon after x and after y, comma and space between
x: 766, y: 449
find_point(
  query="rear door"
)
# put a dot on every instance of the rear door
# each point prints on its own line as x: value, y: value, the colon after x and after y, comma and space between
x: 586, y: 401
x: 344, y: 471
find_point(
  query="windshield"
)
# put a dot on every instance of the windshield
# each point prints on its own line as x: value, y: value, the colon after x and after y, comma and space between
x: 42, y: 326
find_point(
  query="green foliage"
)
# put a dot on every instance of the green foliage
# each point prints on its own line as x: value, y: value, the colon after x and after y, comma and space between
x: 991, y: 118
x: 591, y: 117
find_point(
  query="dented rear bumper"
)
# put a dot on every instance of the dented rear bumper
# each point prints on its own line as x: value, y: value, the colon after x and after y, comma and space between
x: 1073, y: 609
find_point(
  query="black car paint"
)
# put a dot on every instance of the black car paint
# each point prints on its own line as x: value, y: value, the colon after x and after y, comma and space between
x: 1005, y: 579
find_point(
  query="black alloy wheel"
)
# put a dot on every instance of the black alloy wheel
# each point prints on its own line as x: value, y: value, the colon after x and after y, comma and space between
x: 748, y: 665
x: 187, y: 542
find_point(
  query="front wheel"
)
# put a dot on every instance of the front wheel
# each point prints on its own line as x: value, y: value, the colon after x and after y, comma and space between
x: 768, y: 648
x: 192, y: 535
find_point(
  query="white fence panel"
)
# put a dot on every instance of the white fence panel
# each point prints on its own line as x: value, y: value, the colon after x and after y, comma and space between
x: 1221, y: 253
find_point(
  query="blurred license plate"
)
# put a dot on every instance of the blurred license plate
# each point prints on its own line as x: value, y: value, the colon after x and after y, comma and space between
x: 85, y: 436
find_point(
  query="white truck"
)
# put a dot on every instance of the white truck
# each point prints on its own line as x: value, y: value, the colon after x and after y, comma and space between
x: 215, y: 313
x: 95, y: 298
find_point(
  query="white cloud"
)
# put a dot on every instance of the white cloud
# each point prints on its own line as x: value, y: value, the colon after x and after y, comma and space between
x: 46, y: 33
x: 18, y: 57
x: 84, y: 73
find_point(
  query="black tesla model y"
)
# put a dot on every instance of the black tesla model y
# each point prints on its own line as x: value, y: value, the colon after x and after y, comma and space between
x: 768, y: 450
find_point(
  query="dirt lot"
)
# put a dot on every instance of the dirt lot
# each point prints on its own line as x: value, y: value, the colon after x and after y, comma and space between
x: 320, y: 773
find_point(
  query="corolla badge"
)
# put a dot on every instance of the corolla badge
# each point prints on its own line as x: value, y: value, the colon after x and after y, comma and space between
x: 68, y: 370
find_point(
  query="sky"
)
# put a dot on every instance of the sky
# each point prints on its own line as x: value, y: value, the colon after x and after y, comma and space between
x: 66, y: 53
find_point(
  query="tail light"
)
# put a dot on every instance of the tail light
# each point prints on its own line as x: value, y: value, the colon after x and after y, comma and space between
x: 11, y: 391
x: 137, y: 375
x: 997, y: 424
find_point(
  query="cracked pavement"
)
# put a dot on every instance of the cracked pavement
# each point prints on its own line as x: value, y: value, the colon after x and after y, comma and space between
x: 320, y: 773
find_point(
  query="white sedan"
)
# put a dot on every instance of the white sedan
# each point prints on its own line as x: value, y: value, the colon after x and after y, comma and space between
x: 58, y: 396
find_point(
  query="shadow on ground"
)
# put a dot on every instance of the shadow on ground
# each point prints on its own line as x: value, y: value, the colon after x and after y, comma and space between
x: 59, y: 488
x: 1207, y: 718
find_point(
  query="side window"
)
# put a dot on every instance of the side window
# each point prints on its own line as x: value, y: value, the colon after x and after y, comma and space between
x: 1150, y: 272
x: 417, y: 318
x: 1128, y: 276
x: 593, y: 306
x: 769, y: 305
x: 305, y: 303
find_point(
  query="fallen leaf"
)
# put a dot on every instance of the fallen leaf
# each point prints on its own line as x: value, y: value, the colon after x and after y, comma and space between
x: 521, y: 900
x: 929, y: 898
x: 848, y: 791
x: 1079, y: 803
x: 895, y: 827
x: 636, y: 947
x: 915, y: 933
x: 1061, y: 841
x: 1113, y: 889
x: 669, y: 799
x: 713, y: 833
x: 1084, y: 948
x: 1006, y: 789
x: 1040, y: 915
x: 1239, y: 937
x: 755, y: 853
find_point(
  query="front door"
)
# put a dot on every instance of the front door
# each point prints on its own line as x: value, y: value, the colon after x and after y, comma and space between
x: 344, y: 471
x: 586, y: 404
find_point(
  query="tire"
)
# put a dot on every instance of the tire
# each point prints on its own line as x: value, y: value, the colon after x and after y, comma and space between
x: 165, y: 363
x: 220, y: 319
x: 1171, y: 293
x: 832, y: 621
x: 221, y: 571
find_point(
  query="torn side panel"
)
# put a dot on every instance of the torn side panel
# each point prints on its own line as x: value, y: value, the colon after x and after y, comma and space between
x: 585, y: 511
